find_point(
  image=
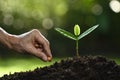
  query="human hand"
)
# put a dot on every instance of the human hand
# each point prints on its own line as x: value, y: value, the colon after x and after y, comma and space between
x: 32, y: 42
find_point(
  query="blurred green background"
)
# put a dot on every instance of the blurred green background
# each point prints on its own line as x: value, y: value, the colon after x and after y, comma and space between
x: 19, y: 16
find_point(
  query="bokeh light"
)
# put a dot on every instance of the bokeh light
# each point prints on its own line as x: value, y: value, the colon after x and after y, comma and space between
x: 97, y: 9
x: 115, y: 6
x: 47, y: 23
x: 8, y: 19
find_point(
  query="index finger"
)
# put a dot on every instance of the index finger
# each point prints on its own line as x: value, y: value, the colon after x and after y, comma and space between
x: 46, y: 46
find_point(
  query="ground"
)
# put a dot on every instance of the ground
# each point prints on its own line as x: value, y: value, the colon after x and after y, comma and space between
x: 76, y: 68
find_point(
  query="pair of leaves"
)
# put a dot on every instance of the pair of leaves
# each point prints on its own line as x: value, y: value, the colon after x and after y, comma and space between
x: 73, y: 37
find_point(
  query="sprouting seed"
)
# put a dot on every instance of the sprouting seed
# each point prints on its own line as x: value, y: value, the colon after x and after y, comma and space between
x: 76, y: 36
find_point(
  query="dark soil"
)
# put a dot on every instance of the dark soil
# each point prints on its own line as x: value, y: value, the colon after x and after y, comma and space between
x: 82, y: 68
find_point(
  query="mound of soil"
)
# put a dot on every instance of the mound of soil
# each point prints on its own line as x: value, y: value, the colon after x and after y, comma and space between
x: 77, y: 68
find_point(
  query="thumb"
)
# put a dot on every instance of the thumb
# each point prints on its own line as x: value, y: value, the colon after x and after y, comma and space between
x: 41, y: 55
x: 38, y: 53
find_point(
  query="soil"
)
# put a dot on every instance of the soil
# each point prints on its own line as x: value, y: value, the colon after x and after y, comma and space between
x: 76, y: 68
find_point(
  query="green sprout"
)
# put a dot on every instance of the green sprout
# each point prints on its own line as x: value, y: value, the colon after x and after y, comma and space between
x: 76, y: 36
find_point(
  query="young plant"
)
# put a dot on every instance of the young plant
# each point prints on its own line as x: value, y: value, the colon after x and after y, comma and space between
x: 76, y: 36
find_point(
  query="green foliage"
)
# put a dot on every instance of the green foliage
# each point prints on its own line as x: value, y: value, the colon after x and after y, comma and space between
x: 88, y: 31
x: 66, y: 33
x: 76, y: 36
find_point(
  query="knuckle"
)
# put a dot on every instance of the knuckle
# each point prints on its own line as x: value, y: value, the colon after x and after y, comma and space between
x: 48, y: 43
x: 35, y: 31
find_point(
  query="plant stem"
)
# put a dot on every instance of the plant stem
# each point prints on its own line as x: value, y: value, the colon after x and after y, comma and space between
x: 77, y: 54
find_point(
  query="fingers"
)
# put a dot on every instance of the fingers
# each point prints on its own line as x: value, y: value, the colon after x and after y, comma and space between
x: 42, y: 49
x: 46, y: 47
x: 41, y: 40
x: 35, y: 43
x: 46, y: 50
x: 38, y: 53
x: 42, y: 56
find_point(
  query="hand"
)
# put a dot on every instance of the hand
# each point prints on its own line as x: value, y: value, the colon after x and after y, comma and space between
x: 32, y: 42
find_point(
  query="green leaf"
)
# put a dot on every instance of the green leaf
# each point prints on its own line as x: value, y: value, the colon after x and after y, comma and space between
x: 77, y: 30
x: 87, y: 31
x: 66, y: 33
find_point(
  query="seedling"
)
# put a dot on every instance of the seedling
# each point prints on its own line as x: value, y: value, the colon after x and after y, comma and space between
x: 76, y: 36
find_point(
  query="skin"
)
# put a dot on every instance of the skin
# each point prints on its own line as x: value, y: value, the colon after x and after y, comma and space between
x: 32, y: 42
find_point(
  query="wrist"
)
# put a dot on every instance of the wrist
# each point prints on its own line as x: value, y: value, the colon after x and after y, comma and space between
x: 12, y: 41
x: 9, y: 40
x: 4, y: 38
